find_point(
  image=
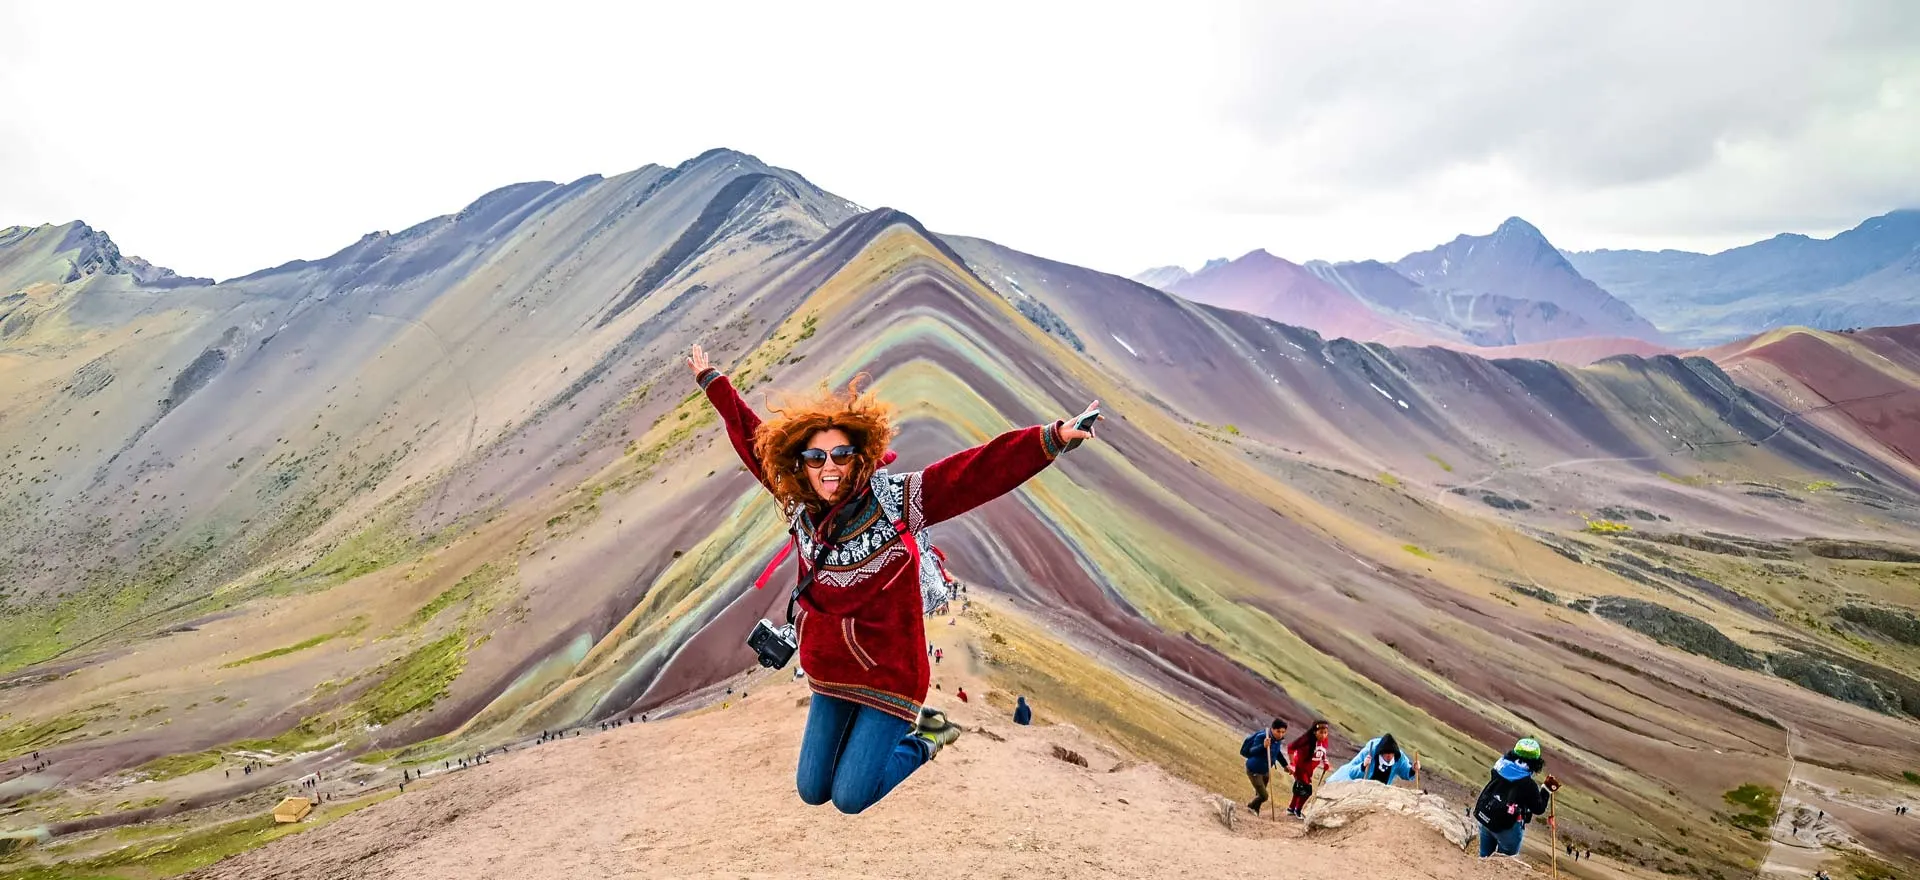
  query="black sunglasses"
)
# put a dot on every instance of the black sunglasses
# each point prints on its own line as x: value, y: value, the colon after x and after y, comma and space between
x: 816, y: 459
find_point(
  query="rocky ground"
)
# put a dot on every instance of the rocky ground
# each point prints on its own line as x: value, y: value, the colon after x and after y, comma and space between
x: 711, y: 793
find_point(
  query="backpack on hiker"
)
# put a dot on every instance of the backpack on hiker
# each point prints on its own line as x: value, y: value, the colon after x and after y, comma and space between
x: 1499, y: 806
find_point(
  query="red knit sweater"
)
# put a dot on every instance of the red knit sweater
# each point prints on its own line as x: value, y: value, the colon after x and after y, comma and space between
x: 862, y: 637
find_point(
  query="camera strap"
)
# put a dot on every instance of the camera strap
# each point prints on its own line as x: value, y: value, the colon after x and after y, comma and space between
x: 819, y: 557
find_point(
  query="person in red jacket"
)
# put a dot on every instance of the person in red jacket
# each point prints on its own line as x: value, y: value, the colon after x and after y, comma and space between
x: 1308, y: 754
x: 860, y: 622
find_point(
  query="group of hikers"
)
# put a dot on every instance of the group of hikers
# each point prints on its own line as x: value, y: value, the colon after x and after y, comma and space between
x: 1506, y: 804
x: 35, y: 766
x: 1306, y: 757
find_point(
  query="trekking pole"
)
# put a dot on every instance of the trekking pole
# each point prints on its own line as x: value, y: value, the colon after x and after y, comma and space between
x: 1554, y: 827
x: 1266, y: 746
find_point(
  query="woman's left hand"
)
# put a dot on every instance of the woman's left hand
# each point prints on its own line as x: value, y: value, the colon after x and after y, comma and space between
x: 1069, y: 433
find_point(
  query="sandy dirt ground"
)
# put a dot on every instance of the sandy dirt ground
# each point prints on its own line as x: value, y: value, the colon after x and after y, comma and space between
x: 710, y: 794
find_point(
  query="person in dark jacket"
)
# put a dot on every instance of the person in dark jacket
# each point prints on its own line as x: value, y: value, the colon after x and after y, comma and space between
x: 1023, y: 713
x: 1511, y: 799
x: 1264, y: 751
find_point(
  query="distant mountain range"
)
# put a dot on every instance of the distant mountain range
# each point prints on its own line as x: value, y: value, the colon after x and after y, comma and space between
x: 1508, y: 288
x: 1867, y: 276
x: 1514, y: 288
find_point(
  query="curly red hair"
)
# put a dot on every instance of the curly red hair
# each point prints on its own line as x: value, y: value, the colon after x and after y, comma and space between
x: 867, y: 421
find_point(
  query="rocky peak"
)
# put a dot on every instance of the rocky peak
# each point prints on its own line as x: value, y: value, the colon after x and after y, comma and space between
x: 90, y: 251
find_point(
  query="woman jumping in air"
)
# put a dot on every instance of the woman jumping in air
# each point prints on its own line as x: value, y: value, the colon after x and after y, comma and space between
x: 860, y: 622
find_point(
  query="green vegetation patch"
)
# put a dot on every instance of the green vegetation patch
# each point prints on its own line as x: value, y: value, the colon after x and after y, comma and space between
x: 359, y: 624
x: 1607, y: 527
x: 417, y: 681
x: 191, y: 851
x: 175, y: 766
x: 1441, y: 462
x: 476, y: 582
x: 1759, y: 804
x: 1415, y: 550
x: 24, y: 739
x: 367, y: 551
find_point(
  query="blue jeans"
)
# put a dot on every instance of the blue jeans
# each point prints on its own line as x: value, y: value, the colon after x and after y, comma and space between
x: 853, y: 754
x: 1508, y: 841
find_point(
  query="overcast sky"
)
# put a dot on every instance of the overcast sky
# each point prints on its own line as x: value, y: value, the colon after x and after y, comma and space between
x: 220, y: 139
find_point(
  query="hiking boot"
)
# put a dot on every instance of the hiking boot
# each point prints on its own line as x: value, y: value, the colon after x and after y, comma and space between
x: 936, y: 739
x: 932, y: 720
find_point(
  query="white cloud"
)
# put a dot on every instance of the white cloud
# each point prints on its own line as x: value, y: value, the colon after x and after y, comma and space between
x: 219, y: 139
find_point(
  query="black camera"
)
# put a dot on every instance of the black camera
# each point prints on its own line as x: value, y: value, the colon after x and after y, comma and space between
x: 773, y: 646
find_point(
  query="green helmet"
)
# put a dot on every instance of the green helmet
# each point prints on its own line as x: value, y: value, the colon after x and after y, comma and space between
x: 1527, y: 748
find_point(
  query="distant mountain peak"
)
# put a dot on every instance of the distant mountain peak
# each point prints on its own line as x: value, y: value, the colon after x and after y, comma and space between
x: 720, y: 154
x: 1162, y: 277
x: 87, y: 251
x: 1260, y: 257
x: 1519, y: 226
x: 1517, y: 264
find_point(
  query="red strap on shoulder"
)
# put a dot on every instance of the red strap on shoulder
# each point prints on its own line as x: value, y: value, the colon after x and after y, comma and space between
x: 913, y: 548
x: 785, y: 551
x: 907, y: 538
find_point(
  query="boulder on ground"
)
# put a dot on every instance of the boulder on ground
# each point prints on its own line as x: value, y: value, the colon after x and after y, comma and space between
x: 1337, y: 803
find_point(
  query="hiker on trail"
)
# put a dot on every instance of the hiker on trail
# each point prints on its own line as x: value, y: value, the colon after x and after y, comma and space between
x: 1023, y: 713
x: 1511, y: 799
x: 939, y: 655
x: 962, y: 694
x: 1264, y: 751
x: 855, y: 528
x: 1379, y: 760
x: 1307, y: 754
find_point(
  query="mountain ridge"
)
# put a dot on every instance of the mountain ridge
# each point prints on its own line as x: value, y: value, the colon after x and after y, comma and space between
x: 1864, y: 276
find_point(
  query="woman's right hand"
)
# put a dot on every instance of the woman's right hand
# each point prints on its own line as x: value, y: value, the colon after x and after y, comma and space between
x: 697, y: 361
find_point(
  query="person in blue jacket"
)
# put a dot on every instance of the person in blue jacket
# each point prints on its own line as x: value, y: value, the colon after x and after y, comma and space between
x: 1264, y: 751
x: 1379, y: 760
x: 1023, y: 713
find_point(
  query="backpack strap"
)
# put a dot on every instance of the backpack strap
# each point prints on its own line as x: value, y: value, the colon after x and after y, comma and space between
x: 933, y: 592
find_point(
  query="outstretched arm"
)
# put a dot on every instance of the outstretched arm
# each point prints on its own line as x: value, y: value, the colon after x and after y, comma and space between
x: 969, y: 478
x: 743, y: 424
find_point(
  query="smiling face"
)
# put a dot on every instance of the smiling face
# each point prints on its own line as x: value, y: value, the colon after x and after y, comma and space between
x: 827, y: 478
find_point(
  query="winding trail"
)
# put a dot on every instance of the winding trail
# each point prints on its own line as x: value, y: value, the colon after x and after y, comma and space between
x: 1789, y: 857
